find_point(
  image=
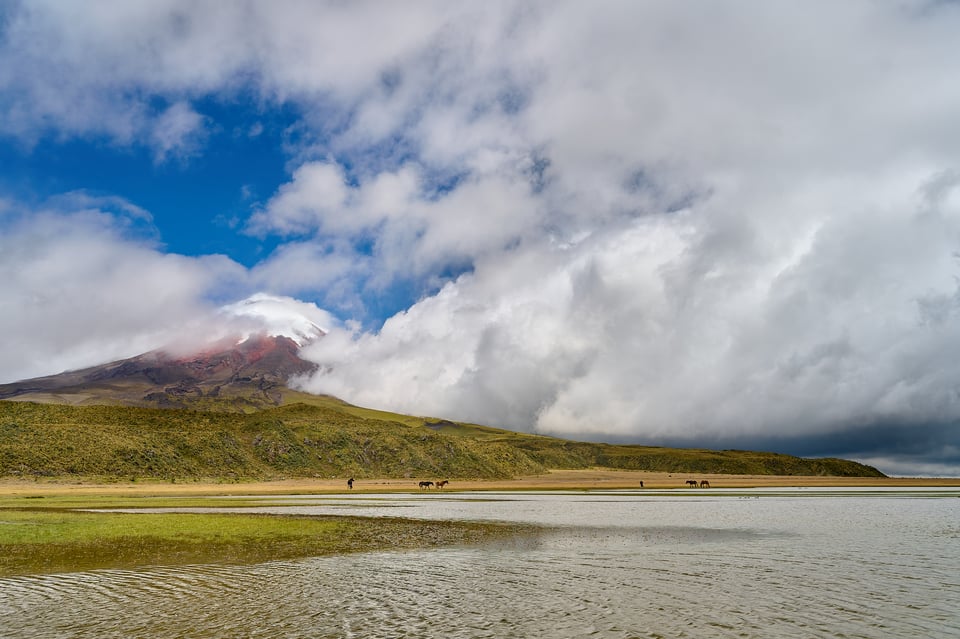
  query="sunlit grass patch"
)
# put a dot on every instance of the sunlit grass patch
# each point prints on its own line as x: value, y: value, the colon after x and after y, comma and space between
x: 48, y: 502
x: 43, y: 541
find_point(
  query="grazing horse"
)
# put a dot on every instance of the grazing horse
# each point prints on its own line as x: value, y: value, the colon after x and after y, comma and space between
x: 442, y: 483
x: 425, y: 484
x: 692, y: 482
x: 704, y: 484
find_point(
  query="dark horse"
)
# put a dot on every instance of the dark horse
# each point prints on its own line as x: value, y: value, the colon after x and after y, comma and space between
x: 425, y: 484
x: 692, y: 482
x: 442, y: 483
x: 350, y: 483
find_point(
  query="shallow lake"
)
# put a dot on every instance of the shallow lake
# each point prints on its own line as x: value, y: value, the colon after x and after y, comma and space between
x: 676, y: 563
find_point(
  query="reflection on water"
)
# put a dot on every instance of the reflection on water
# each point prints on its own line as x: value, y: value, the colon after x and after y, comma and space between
x: 617, y: 564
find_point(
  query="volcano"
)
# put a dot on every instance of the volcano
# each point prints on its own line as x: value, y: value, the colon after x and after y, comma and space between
x: 246, y: 375
x: 249, y: 365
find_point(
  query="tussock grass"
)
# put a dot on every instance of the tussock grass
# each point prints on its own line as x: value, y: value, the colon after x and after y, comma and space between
x: 326, y: 439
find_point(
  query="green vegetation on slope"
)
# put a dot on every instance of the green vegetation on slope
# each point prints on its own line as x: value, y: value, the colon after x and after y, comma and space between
x: 326, y: 439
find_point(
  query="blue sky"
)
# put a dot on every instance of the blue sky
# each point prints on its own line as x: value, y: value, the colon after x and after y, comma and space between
x: 198, y: 203
x: 661, y: 222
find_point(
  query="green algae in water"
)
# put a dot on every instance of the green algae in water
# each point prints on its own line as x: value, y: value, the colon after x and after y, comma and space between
x: 47, y: 541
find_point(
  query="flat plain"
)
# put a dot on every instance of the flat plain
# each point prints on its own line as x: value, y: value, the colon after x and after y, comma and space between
x: 586, y: 479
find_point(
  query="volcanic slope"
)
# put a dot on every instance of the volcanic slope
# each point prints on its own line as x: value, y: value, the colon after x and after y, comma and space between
x: 226, y: 376
x: 327, y: 438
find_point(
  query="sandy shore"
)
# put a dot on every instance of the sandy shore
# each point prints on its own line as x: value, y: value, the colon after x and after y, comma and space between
x: 554, y: 480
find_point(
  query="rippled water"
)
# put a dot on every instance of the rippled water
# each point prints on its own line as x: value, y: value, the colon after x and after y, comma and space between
x: 775, y: 563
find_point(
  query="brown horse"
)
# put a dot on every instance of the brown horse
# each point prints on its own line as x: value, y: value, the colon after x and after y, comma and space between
x: 692, y: 482
x: 442, y: 483
x: 704, y: 484
x: 425, y: 484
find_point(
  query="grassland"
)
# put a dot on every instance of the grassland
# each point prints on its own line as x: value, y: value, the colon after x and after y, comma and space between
x: 51, y: 535
x: 54, y: 525
x: 327, y: 439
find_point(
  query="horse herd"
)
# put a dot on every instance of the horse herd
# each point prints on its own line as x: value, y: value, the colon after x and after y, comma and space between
x: 693, y: 483
x: 424, y: 485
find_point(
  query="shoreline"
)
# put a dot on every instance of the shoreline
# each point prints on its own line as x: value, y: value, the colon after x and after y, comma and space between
x: 553, y: 480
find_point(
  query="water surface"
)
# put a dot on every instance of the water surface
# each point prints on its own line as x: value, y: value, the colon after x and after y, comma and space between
x: 712, y: 563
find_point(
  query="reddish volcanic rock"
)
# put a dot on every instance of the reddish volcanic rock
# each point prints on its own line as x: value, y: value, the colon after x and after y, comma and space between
x: 237, y: 375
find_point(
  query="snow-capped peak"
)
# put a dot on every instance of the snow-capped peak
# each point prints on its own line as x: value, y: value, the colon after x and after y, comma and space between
x: 300, y: 321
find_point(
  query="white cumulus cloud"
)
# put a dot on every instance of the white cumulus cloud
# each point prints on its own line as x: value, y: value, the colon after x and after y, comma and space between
x: 657, y: 221
x: 80, y: 291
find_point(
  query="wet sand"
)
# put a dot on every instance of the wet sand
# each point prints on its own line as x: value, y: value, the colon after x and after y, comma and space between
x: 554, y: 480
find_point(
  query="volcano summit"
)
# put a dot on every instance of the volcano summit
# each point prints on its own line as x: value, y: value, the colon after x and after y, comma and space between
x: 248, y: 370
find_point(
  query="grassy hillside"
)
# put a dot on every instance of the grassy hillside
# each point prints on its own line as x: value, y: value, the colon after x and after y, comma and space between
x: 325, y: 438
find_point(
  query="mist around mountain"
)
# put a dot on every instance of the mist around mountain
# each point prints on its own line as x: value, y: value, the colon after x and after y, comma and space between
x: 231, y: 410
x: 246, y: 362
x: 229, y: 413
x: 227, y: 376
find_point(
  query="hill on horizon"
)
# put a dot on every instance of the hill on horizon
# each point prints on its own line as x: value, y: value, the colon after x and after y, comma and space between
x: 228, y: 412
x: 329, y: 438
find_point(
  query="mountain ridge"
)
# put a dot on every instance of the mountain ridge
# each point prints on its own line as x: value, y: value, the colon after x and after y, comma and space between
x: 328, y: 439
x: 244, y: 375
